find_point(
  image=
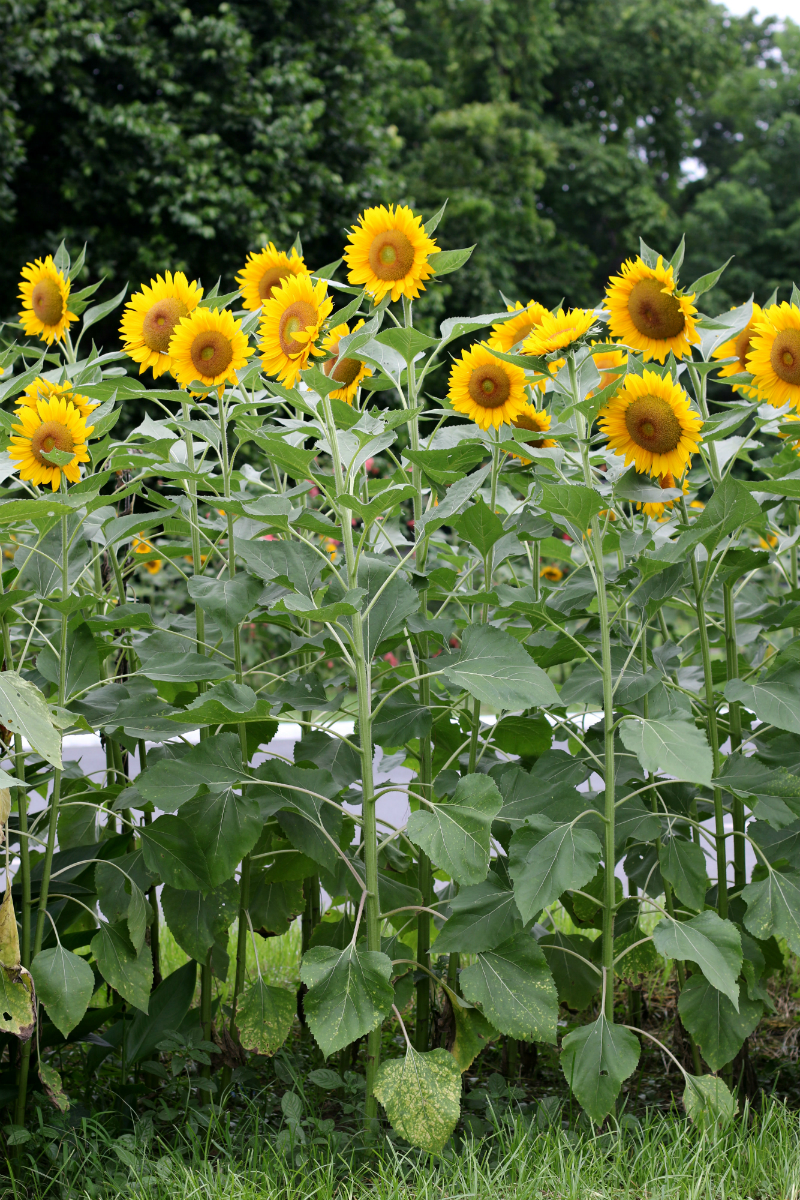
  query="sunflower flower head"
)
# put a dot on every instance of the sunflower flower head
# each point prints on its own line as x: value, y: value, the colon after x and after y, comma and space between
x: 140, y: 545
x: 505, y: 335
x: 208, y: 346
x: 52, y: 423
x: 649, y: 421
x: 44, y: 292
x: 43, y: 389
x: 152, y: 315
x: 388, y: 253
x: 535, y: 421
x: 656, y: 510
x: 646, y: 312
x: 491, y: 392
x: 264, y: 270
x: 551, y: 573
x: 558, y: 331
x: 611, y: 364
x: 291, y: 321
x: 774, y: 355
x: 739, y: 348
x: 347, y: 371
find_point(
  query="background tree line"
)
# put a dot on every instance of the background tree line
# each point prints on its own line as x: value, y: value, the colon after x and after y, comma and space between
x: 182, y: 133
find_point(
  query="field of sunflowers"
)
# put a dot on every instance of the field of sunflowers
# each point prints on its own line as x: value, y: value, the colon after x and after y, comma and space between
x: 528, y: 580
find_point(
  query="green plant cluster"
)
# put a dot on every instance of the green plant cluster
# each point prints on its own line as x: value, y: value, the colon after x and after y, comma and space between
x: 635, y: 709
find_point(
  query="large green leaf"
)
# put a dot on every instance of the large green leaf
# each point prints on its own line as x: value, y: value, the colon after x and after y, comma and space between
x: 775, y: 700
x: 226, y: 601
x: 715, y: 945
x: 456, y: 835
x: 227, y: 826
x: 129, y: 973
x: 197, y: 921
x: 673, y: 747
x: 683, y: 864
x: 571, y: 506
x: 169, y: 1004
x: 214, y: 763
x: 422, y: 1096
x: 730, y: 507
x: 775, y: 792
x: 576, y: 980
x: 483, y: 916
x: 172, y: 852
x: 515, y: 989
x: 298, y: 796
x: 265, y: 1017
x: 596, y: 1060
x: 400, y: 719
x: 349, y: 993
x: 773, y: 907
x: 714, y: 1023
x: 23, y: 710
x: 542, y: 867
x: 183, y: 668
x: 392, y: 601
x: 494, y: 668
x: 64, y: 985
x: 83, y: 659
x: 480, y: 526
x: 274, y: 904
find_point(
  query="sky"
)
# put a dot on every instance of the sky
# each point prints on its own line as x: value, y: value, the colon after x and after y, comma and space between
x: 767, y: 8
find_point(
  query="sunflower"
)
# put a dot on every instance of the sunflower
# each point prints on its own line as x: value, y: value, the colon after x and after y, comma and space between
x: 388, y: 253
x: 611, y: 364
x: 49, y: 424
x: 208, y: 346
x: 42, y: 389
x: 488, y: 390
x: 44, y: 292
x: 140, y: 545
x: 739, y: 348
x: 656, y: 510
x: 559, y: 330
x: 347, y: 371
x: 507, y: 334
x: 533, y: 419
x: 150, y: 317
x: 649, y: 421
x: 774, y: 356
x: 646, y: 312
x: 264, y: 270
x: 551, y: 573
x: 290, y: 323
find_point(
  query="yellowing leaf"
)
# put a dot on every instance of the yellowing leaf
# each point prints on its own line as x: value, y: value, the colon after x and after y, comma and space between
x: 17, y: 1002
x: 54, y: 1087
x: 422, y: 1096
x: 9, y: 935
x: 265, y: 1017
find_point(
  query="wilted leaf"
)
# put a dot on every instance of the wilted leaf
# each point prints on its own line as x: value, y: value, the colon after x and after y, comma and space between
x: 129, y: 973
x: 51, y: 1081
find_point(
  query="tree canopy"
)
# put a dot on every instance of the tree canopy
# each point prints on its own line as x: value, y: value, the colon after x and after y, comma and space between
x: 174, y: 134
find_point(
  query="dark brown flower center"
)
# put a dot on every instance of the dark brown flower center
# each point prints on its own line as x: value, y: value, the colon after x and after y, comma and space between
x: 653, y: 425
x: 211, y: 352
x: 52, y: 435
x: 391, y: 255
x: 343, y: 370
x: 160, y: 321
x: 533, y: 423
x: 785, y: 356
x: 270, y: 280
x: 47, y: 301
x: 489, y: 386
x: 742, y: 345
x: 295, y: 319
x: 654, y: 312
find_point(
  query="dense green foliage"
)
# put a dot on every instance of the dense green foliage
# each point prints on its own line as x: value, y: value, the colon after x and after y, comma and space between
x: 169, y: 134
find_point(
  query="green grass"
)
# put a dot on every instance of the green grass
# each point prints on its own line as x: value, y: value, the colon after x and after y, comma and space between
x: 665, y: 1158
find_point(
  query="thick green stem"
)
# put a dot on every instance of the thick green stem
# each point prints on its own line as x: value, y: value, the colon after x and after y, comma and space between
x: 735, y: 719
x: 713, y: 734
x: 369, y: 829
x: 53, y: 819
